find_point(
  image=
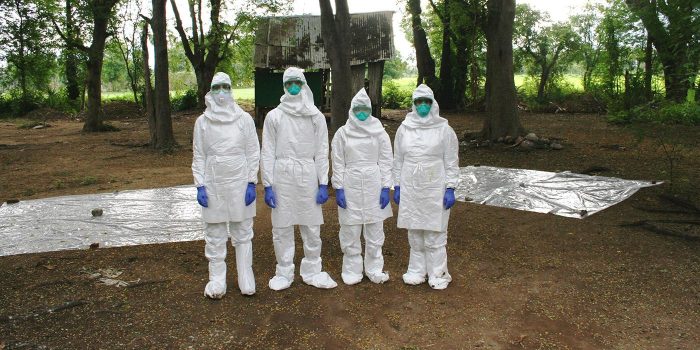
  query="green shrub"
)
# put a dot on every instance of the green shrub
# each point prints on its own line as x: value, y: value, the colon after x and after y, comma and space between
x: 687, y: 113
x: 184, y: 101
x: 394, y: 97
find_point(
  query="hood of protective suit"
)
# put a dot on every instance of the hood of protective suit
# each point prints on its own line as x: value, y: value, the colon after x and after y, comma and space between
x: 302, y: 104
x: 356, y: 127
x: 224, y: 110
x: 433, y: 120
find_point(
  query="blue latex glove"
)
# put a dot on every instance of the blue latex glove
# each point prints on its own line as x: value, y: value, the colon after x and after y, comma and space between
x: 322, y: 195
x: 340, y: 198
x: 384, y: 197
x: 449, y: 200
x: 250, y: 194
x: 202, y: 196
x: 270, y: 197
x: 397, y: 194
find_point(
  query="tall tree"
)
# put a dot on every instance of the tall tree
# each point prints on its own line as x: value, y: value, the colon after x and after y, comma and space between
x: 335, y: 30
x: 100, y: 12
x: 673, y: 28
x: 164, y: 138
x: 424, y: 60
x: 206, y: 50
x: 70, y: 55
x: 26, y: 49
x: 501, y: 98
x: 589, y: 50
x: 544, y: 45
x: 148, y: 87
x: 447, y: 81
x: 126, y: 40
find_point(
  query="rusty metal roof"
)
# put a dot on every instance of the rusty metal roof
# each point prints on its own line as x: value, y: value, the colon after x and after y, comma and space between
x: 281, y: 42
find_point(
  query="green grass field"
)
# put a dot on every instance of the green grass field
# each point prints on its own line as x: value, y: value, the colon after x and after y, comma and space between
x: 238, y: 94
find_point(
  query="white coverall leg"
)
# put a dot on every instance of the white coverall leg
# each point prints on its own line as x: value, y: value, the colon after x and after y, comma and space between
x: 283, y: 242
x: 374, y: 259
x: 241, y: 237
x: 416, y: 262
x: 436, y: 259
x: 349, y: 236
x: 310, y: 269
x: 216, y: 237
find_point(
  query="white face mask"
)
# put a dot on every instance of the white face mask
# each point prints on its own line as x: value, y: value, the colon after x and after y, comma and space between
x: 222, y: 98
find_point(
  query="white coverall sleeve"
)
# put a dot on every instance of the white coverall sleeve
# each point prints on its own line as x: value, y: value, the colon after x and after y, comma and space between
x: 199, y: 157
x: 338, y: 155
x: 267, y: 154
x: 321, y: 156
x: 386, y: 159
x: 451, y: 158
x: 252, y: 150
x: 398, y: 156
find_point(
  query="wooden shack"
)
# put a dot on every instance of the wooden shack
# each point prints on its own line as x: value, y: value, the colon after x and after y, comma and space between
x: 282, y: 42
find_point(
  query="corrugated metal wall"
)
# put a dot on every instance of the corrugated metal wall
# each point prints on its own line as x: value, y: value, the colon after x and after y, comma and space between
x: 281, y: 42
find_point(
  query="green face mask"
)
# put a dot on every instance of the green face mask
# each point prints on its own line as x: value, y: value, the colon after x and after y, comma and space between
x: 423, y: 110
x: 362, y: 112
x: 293, y: 87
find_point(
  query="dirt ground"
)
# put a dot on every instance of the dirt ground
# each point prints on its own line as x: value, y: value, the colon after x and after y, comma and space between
x: 520, y: 279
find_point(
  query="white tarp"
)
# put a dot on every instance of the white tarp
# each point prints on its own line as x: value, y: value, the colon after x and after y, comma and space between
x: 172, y: 214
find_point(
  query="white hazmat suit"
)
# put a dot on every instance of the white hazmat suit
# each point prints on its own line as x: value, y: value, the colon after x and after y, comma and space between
x: 225, y: 161
x: 425, y: 164
x: 362, y: 161
x: 294, y: 162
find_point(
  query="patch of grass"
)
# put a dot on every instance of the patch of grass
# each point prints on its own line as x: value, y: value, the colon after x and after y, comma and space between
x: 58, y: 184
x: 88, y: 180
x: 28, y: 192
x: 29, y: 124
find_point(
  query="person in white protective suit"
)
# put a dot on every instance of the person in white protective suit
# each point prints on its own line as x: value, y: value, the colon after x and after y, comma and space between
x: 426, y: 171
x: 294, y: 162
x: 225, y: 168
x: 362, y: 161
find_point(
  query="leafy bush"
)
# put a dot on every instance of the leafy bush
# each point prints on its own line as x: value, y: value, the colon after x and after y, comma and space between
x: 394, y: 97
x: 184, y: 101
x: 687, y: 113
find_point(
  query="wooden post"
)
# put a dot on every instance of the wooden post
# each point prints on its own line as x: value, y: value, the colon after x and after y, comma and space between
x: 358, y: 77
x: 375, y: 73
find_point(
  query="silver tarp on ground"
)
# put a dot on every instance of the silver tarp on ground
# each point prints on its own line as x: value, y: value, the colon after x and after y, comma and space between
x: 172, y: 214
x: 129, y: 218
x: 565, y: 194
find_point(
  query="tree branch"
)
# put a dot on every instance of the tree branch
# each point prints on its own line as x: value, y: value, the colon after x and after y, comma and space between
x: 181, y: 32
x: 70, y: 42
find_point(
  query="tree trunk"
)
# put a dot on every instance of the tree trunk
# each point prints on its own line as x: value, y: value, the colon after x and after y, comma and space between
x: 424, y: 61
x: 375, y: 72
x: 335, y: 31
x: 358, y: 77
x: 148, y: 88
x: 648, y: 69
x: 542, y: 86
x: 71, y: 61
x: 446, y: 77
x: 204, y: 77
x: 501, y: 98
x: 93, y: 119
x: 165, y: 140
x: 459, y: 93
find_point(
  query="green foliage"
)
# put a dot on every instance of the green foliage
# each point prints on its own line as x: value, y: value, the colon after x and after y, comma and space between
x: 26, y: 49
x: 184, y: 101
x: 686, y: 113
x: 395, y: 68
x: 394, y: 97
